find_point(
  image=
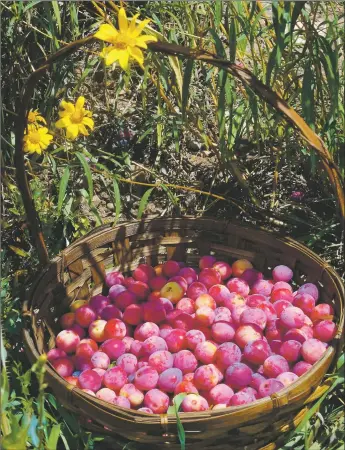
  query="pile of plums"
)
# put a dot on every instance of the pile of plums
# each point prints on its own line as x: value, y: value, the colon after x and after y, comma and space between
x: 221, y: 333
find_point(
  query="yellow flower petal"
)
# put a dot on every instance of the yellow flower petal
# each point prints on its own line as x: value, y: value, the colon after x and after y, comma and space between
x: 132, y: 26
x: 111, y: 56
x: 72, y: 132
x: 140, y: 28
x: 83, y: 130
x: 106, y: 33
x: 64, y: 113
x: 42, y: 130
x: 88, y: 122
x: 141, y: 41
x: 80, y: 103
x: 137, y: 54
x: 123, y: 59
x: 123, y: 22
x: 63, y: 123
x: 68, y: 106
x: 46, y: 139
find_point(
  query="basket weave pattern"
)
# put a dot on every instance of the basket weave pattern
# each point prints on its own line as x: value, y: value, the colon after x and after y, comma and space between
x: 79, y: 273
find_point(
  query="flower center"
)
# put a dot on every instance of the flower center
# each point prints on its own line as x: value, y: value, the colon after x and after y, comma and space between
x: 123, y: 41
x: 35, y: 137
x: 77, y: 117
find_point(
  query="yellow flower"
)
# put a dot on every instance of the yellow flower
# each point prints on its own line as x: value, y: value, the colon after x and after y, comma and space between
x: 34, y: 117
x: 75, y: 118
x: 125, y: 42
x: 36, y: 139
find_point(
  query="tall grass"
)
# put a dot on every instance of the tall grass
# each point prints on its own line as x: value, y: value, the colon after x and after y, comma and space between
x: 295, y: 47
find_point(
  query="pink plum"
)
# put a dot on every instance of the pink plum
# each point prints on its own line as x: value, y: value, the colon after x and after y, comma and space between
x: 222, y: 332
x: 67, y: 341
x: 63, y: 366
x: 209, y: 277
x: 116, y: 290
x: 238, y: 375
x: 154, y: 344
x: 311, y: 289
x: 114, y: 277
x: 205, y: 351
x: 115, y: 378
x: 287, y: 378
x: 241, y: 398
x: 325, y: 330
x: 123, y: 402
x: 128, y: 362
x: 206, y: 377
x: 161, y: 360
x: 282, y: 273
x: 227, y: 354
x: 196, y: 289
x: 188, y: 274
x: 106, y: 395
x: 247, y: 333
x: 169, y: 379
x: 312, y: 350
x: 301, y: 368
x: 157, y: 401
x: 111, y: 312
x: 223, y: 268
x: 134, y: 395
x: 89, y: 379
x: 207, y: 261
x: 146, y: 378
x: 176, y: 340
x: 274, y: 365
x: 146, y: 330
x: 291, y: 350
x: 194, y: 403
x: 221, y: 393
x: 292, y: 317
x: 144, y: 273
x: 185, y: 361
x: 269, y: 387
x: 239, y: 266
x: 256, y: 352
x: 238, y: 286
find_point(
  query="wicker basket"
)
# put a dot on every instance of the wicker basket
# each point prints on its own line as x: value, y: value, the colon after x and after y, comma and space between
x: 79, y: 273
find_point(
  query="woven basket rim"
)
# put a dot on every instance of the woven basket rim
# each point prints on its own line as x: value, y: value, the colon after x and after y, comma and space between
x: 134, y: 416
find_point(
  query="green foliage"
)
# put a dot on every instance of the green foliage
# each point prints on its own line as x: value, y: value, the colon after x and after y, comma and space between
x: 178, y: 110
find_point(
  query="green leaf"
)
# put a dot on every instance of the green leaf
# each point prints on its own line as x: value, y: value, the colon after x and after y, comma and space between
x: 57, y: 15
x: 233, y: 40
x: 143, y: 202
x: 218, y: 12
x: 117, y: 200
x: 298, y: 6
x: 31, y: 4
x: 340, y: 361
x: 186, y: 82
x: 53, y: 437
x: 5, y: 389
x: 88, y: 174
x: 180, y: 430
x: 19, y: 251
x: 63, y: 187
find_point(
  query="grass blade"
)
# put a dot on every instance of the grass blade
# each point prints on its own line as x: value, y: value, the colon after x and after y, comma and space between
x: 88, y: 174
x: 117, y: 200
x: 185, y: 86
x: 143, y: 202
x: 63, y: 187
x: 57, y: 15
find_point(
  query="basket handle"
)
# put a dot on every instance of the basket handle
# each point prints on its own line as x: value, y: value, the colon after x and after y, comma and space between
x: 244, y: 75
